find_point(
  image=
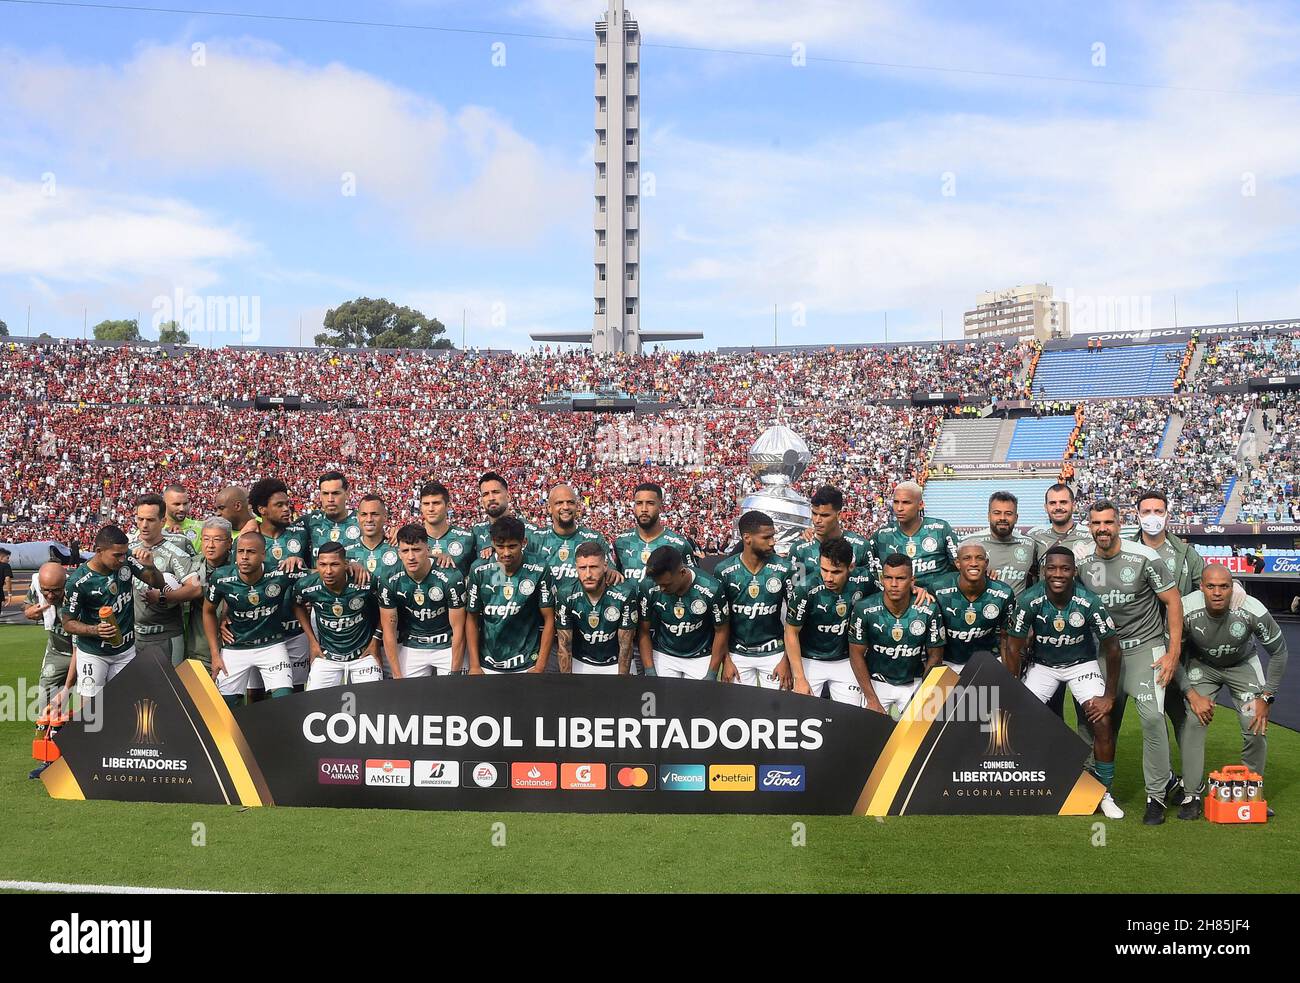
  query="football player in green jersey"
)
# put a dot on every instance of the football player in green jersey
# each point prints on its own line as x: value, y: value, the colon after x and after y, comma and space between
x: 757, y: 583
x: 343, y: 645
x: 159, y: 621
x: 1069, y: 623
x: 1133, y: 582
x: 372, y: 550
x: 557, y: 546
x: 179, y: 523
x: 929, y: 543
x: 103, y: 647
x: 975, y: 610
x: 287, y: 543
x: 451, y: 546
x: 827, y: 504
x: 232, y: 505
x: 894, y: 640
x: 44, y: 598
x: 510, y: 606
x: 494, y: 496
x: 817, y: 622
x: 1221, y: 652
x: 255, y: 599
x: 332, y: 522
x: 680, y: 617
x: 595, y: 626
x: 422, y: 611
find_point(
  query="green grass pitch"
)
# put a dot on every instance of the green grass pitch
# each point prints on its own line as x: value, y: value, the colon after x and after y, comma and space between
x: 316, y: 850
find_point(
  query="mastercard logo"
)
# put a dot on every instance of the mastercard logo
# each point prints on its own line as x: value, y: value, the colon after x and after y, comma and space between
x: 634, y: 777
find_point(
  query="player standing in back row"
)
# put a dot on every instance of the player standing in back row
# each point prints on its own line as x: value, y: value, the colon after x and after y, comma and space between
x: 928, y: 543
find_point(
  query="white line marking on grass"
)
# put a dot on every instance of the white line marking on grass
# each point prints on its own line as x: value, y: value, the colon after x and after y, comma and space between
x: 60, y: 888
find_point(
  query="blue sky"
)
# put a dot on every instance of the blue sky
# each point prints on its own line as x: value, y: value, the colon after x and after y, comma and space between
x: 133, y: 165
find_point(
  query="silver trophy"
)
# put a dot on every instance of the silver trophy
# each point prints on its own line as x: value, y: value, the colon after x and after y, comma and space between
x: 778, y: 457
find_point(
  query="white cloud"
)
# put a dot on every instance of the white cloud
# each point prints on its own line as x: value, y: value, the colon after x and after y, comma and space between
x: 81, y: 234
x: 302, y: 129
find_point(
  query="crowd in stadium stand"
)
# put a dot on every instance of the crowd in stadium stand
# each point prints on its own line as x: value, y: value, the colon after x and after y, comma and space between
x: 1195, y: 487
x: 1270, y: 492
x: 66, y: 470
x: 76, y: 372
x: 1214, y: 425
x: 1122, y: 428
x: 1232, y: 361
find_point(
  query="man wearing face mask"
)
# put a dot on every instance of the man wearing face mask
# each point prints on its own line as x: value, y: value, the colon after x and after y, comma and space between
x: 1185, y: 564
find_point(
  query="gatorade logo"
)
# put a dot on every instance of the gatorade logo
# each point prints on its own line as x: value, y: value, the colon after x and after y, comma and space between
x: 732, y: 778
x: 590, y: 777
x: 635, y: 778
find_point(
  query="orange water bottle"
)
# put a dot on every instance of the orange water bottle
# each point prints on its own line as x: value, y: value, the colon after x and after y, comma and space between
x: 106, y: 615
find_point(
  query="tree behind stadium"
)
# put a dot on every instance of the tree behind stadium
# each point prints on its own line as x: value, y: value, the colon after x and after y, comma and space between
x: 366, y: 323
x: 127, y: 330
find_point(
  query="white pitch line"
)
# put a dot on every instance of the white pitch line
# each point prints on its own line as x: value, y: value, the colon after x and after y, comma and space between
x: 60, y: 888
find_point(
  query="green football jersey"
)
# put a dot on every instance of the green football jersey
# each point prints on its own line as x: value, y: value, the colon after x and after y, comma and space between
x: 381, y: 561
x: 1063, y: 636
x: 972, y: 626
x: 321, y: 529
x: 57, y: 639
x: 509, y: 610
x: 756, y: 600
x: 1127, y: 584
x: 822, y: 617
x: 174, y: 559
x: 293, y: 542
x: 458, y: 544
x: 256, y: 610
x: 932, y: 549
x: 632, y: 553
x: 683, y: 625
x: 345, y: 622
x: 1013, y: 560
x: 87, y: 591
x: 806, y: 557
x: 423, y: 606
x: 1229, y: 640
x: 897, y: 645
x: 560, y: 554
x: 595, y: 625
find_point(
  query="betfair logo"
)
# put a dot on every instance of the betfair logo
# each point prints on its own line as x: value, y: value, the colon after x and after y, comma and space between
x: 732, y: 778
x: 146, y: 714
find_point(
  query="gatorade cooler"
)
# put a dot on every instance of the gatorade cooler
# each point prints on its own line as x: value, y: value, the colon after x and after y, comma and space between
x: 1235, y: 795
x: 47, y: 726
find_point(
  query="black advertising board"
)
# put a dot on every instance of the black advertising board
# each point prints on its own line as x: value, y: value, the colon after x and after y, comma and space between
x: 561, y: 743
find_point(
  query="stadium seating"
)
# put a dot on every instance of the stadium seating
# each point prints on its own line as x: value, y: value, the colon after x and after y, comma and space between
x: 1082, y: 373
x: 965, y: 501
x: 1040, y: 438
x: 968, y: 439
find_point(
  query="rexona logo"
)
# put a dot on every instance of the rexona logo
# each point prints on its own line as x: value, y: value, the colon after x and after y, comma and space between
x: 338, y: 771
x: 634, y: 778
x: 533, y: 774
x: 781, y: 778
x: 731, y: 778
x: 437, y: 774
x: 682, y: 778
x: 381, y: 771
x: 583, y: 776
x: 483, y: 774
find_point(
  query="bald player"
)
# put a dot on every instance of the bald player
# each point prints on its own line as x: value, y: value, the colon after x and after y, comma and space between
x: 232, y: 505
x: 929, y: 543
x: 1220, y: 644
x: 44, y: 597
x: 557, y: 547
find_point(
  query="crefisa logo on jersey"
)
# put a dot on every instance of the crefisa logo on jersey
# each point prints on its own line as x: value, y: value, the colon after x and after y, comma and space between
x: 338, y: 771
x: 782, y: 778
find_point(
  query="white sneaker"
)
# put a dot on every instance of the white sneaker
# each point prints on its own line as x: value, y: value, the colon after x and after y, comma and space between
x: 1110, y: 808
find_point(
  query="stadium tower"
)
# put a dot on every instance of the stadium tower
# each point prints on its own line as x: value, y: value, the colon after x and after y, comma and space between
x: 617, y: 325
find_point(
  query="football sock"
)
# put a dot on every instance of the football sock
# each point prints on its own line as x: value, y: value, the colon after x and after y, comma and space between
x: 1106, y: 773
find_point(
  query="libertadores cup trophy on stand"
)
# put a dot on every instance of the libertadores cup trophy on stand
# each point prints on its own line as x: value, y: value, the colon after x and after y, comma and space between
x: 778, y: 457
